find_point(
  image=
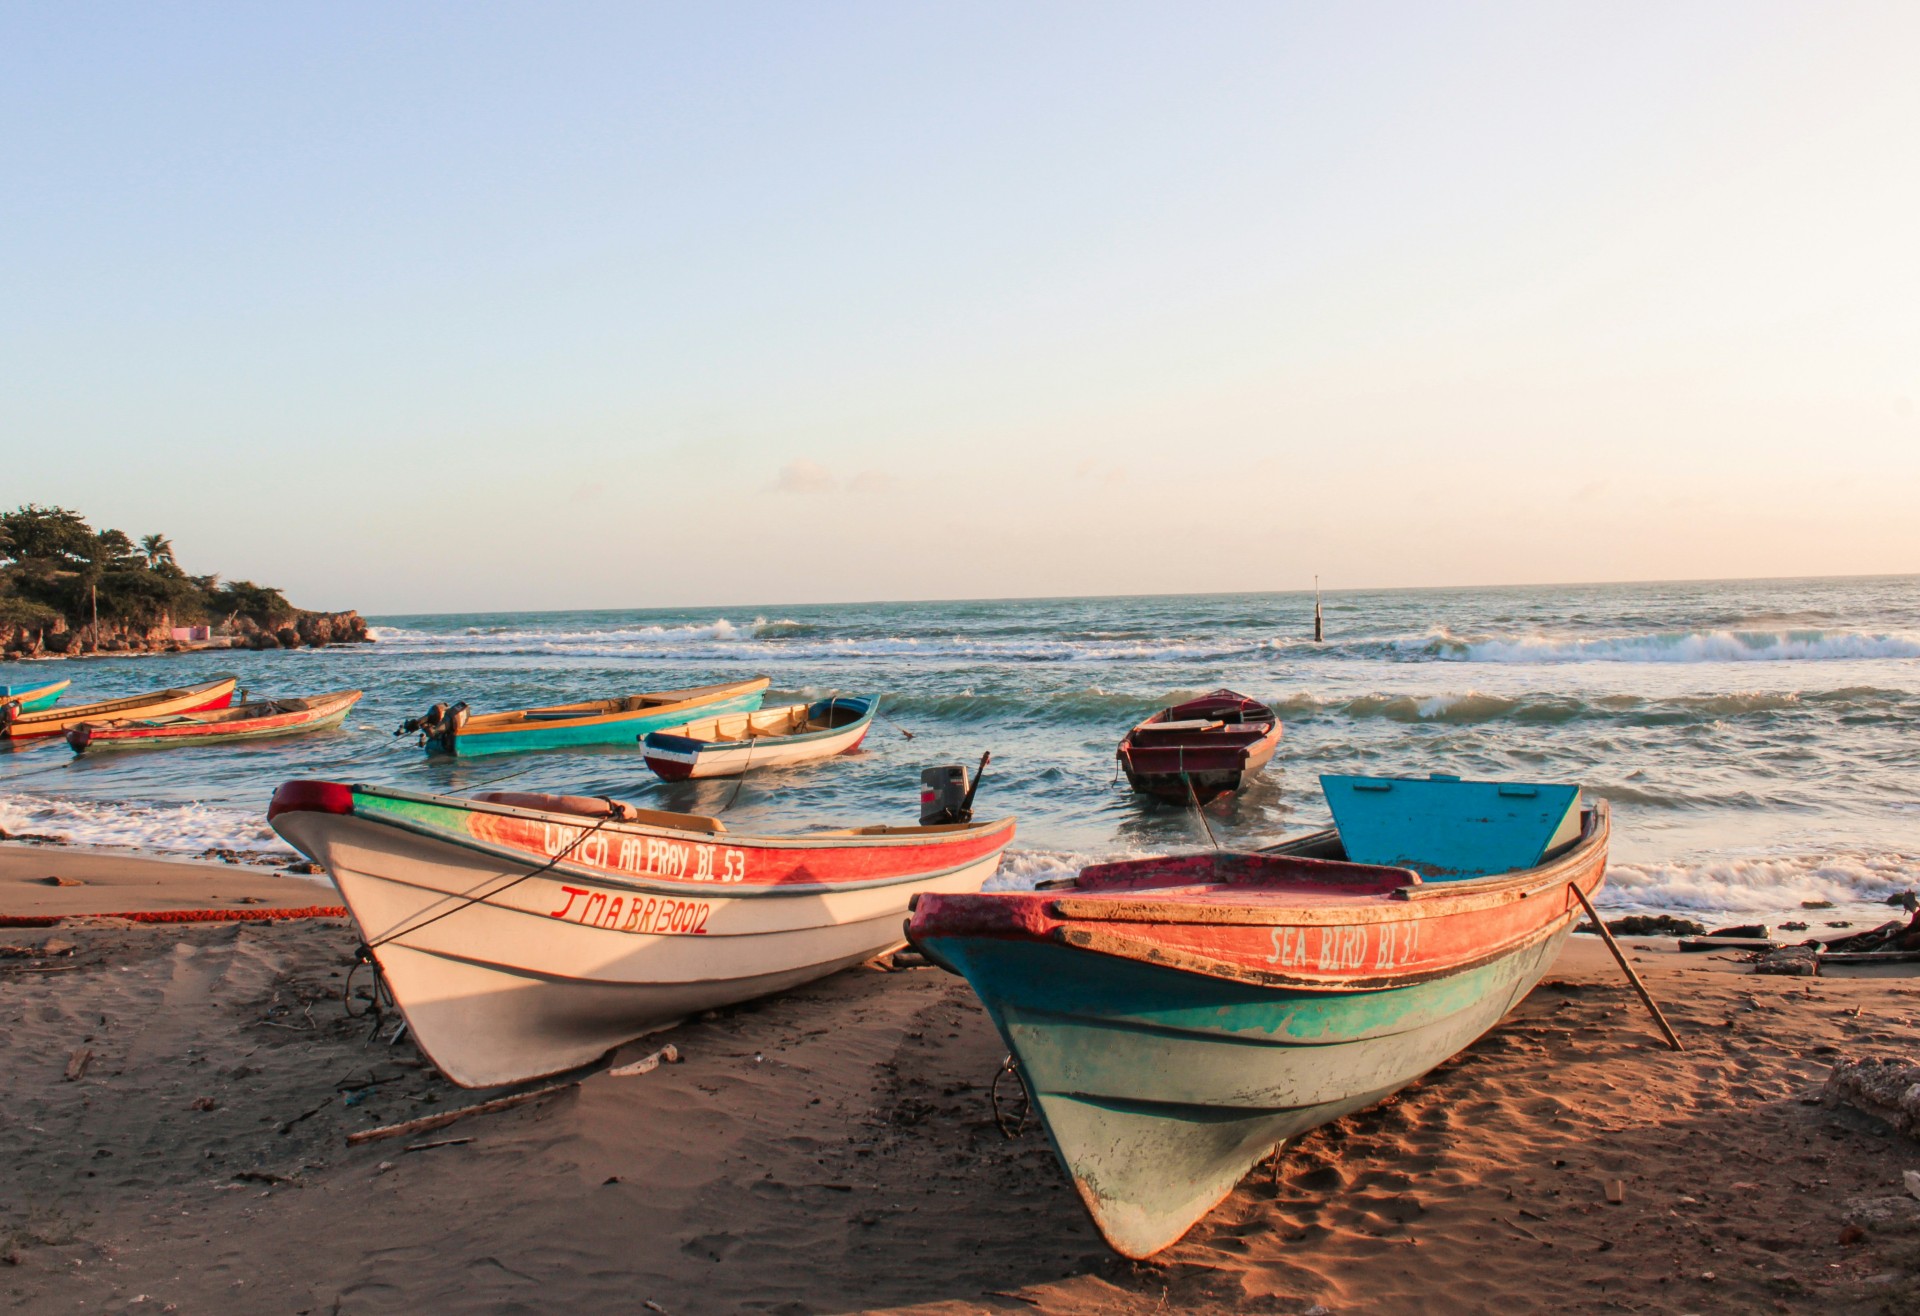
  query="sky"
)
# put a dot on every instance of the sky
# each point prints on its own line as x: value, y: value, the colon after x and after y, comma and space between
x: 451, y: 307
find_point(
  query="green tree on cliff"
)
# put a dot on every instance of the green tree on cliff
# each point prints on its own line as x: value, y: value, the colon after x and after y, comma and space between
x: 53, y: 564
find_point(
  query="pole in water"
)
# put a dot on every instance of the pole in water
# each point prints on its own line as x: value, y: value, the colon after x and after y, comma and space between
x: 1319, y: 630
x: 1620, y: 956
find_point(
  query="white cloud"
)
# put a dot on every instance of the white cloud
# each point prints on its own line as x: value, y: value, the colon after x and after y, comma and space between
x: 801, y: 476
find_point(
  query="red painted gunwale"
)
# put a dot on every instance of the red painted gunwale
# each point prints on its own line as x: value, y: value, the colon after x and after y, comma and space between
x: 1286, y: 921
x: 664, y: 856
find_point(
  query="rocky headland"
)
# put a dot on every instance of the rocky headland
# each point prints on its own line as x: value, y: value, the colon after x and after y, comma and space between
x: 68, y: 590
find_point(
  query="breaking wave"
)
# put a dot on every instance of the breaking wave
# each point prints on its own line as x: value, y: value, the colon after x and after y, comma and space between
x: 1759, y: 885
x: 1717, y: 646
x: 188, y: 828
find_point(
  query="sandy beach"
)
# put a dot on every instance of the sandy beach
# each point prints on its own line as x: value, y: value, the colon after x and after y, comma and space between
x: 177, y: 1100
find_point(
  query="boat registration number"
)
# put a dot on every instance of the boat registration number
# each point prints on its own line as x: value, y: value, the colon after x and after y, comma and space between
x: 652, y: 856
x: 655, y: 914
x: 1333, y: 949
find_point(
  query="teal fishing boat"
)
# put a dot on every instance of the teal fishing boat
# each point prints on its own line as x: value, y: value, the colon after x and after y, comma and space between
x: 1176, y: 1020
x: 34, y: 695
x: 622, y: 721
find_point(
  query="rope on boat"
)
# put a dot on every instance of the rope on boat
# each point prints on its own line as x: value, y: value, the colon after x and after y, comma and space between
x: 1194, y: 800
x: 613, y: 811
x: 1007, y: 1066
x: 741, y: 780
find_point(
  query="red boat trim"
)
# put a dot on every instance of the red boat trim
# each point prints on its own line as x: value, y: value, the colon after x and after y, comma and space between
x: 993, y: 840
x: 311, y: 797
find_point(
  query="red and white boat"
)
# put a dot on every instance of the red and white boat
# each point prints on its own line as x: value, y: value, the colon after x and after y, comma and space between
x: 260, y: 720
x: 1203, y: 748
x: 523, y: 935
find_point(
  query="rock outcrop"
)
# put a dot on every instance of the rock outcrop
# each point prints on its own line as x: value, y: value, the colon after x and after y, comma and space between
x: 313, y: 630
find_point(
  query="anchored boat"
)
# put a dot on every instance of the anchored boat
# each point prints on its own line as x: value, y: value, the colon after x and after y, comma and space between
x: 728, y: 745
x: 523, y: 934
x: 1202, y: 749
x: 620, y: 721
x: 16, y: 726
x: 257, y: 720
x: 34, y: 695
x: 1176, y: 1020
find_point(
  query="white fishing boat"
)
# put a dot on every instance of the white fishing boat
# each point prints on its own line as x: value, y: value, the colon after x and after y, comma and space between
x: 524, y: 935
x: 730, y: 744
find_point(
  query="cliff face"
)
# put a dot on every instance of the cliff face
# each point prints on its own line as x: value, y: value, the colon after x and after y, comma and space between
x: 312, y: 629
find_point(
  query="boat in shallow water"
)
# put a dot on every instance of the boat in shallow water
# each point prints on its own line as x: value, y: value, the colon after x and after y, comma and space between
x: 33, y: 695
x: 259, y: 719
x: 217, y: 693
x: 523, y: 935
x: 729, y: 745
x: 1200, y: 750
x: 1176, y: 1020
x: 622, y: 721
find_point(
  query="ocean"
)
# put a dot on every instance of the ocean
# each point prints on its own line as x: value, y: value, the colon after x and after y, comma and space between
x: 1759, y: 740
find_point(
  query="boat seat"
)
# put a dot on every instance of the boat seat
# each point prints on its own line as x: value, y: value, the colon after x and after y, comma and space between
x: 1190, y: 724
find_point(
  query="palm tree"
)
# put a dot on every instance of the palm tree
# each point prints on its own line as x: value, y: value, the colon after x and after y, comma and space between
x: 158, y: 550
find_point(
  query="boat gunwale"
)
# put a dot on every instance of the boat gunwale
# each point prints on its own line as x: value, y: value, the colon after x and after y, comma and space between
x: 208, y: 720
x: 839, y: 841
x: 42, y: 720
x: 1585, y: 858
x: 594, y: 711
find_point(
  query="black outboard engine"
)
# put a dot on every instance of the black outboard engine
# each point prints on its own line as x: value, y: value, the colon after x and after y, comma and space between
x: 450, y: 726
x: 427, y: 725
x: 946, y: 796
x: 9, y: 712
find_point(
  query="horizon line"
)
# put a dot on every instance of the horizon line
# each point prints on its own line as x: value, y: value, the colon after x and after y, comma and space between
x: 1308, y: 592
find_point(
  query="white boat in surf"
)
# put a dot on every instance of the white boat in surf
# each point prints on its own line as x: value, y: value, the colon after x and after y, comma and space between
x: 524, y: 935
x: 729, y: 744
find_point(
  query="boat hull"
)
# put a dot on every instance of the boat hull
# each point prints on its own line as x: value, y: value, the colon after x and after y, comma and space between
x: 188, y: 699
x: 1202, y: 749
x: 550, y: 971
x: 1160, y: 1089
x: 1177, y: 1019
x: 684, y: 758
x: 623, y: 729
x: 97, y: 738
x: 34, y: 698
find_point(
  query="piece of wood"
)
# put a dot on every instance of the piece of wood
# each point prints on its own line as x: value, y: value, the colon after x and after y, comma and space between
x: 429, y: 1123
x: 1871, y: 957
x: 647, y: 1064
x: 1646, y: 997
x: 429, y: 1146
x: 1616, y: 1191
x: 77, y: 1064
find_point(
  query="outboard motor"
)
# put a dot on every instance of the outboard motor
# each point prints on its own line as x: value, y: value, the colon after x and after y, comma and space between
x: 450, y: 725
x: 9, y: 712
x: 946, y: 796
x: 427, y: 725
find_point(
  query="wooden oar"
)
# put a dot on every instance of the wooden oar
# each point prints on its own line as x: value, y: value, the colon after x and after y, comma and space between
x: 1620, y: 956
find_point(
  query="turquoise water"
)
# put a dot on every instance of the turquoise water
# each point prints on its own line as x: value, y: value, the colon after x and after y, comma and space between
x: 1760, y: 741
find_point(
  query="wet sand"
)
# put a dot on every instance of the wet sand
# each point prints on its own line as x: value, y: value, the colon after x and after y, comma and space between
x: 834, y: 1150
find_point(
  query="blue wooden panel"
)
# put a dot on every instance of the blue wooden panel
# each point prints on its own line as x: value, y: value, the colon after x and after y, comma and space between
x: 1445, y: 828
